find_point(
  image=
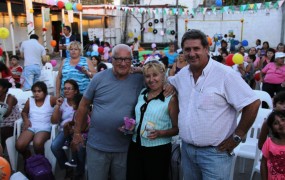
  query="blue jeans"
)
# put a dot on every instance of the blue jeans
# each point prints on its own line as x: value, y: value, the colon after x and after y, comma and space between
x: 31, y: 74
x: 99, y: 163
x: 205, y: 163
x: 59, y: 153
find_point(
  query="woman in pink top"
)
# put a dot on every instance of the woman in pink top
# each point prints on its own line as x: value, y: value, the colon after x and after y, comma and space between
x: 274, y: 72
x: 272, y: 163
x: 269, y: 57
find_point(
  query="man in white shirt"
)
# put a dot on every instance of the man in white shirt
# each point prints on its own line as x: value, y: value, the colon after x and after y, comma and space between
x: 210, y: 97
x: 33, y: 53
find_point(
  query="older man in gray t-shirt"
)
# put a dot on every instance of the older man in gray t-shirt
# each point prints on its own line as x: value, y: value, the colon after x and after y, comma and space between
x: 113, y: 94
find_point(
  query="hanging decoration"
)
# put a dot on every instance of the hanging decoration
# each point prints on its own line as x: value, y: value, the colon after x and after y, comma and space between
x: 60, y: 4
x: 79, y: 7
x: 68, y: 6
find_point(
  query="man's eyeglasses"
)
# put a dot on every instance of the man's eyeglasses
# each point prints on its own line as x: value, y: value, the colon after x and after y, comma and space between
x: 121, y: 59
x: 67, y: 89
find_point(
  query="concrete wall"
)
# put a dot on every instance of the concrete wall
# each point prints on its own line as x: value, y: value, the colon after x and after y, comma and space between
x: 262, y: 25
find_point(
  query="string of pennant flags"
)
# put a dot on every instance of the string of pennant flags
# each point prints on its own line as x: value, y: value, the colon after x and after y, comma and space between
x: 187, y: 11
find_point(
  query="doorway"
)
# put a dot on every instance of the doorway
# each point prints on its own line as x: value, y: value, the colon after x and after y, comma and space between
x: 56, y: 30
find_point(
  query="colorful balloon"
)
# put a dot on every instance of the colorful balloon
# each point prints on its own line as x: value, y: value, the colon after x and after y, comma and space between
x: 53, y: 62
x: 219, y: 3
x: 257, y: 76
x: 60, y: 4
x: 229, y: 60
x: 94, y: 53
x: 4, y: 33
x: 88, y: 53
x: 68, y: 6
x: 79, y: 7
x: 238, y: 58
x: 209, y: 41
x: 101, y: 50
x: 1, y: 51
x: 74, y: 6
x: 53, y: 43
x: 236, y: 42
x: 244, y: 43
x: 6, y: 168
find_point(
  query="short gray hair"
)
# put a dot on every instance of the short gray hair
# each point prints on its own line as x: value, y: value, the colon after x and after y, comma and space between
x: 119, y: 47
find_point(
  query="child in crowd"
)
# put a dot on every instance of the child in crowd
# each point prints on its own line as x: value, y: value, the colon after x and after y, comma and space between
x: 136, y: 46
x: 272, y: 163
x: 279, y: 105
x: 95, y: 61
x: 78, y: 157
x: 101, y: 67
x: 36, y: 120
x: 15, y: 69
x: 106, y: 51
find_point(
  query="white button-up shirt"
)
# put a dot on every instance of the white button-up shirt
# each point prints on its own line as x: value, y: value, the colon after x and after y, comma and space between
x: 209, y: 107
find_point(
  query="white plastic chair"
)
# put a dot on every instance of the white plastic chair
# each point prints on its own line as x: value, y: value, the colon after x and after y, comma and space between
x: 13, y: 153
x: 47, y: 77
x: 247, y: 149
x: 15, y: 92
x: 264, y: 97
x: 23, y: 97
x: 54, y: 76
x: 256, y: 163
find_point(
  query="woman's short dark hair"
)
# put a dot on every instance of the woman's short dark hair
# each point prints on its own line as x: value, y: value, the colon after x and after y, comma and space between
x: 273, y: 51
x: 164, y: 60
x: 41, y: 85
x: 15, y: 56
x: 195, y: 34
x: 73, y: 83
x: 98, y: 58
x: 271, y: 119
x: 5, y: 84
x: 3, y: 67
x: 100, y: 66
x: 76, y: 99
x: 279, y: 97
x: 266, y: 42
x: 258, y: 41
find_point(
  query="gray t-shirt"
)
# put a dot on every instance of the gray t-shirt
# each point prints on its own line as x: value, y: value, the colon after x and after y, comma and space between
x: 113, y: 99
x: 33, y: 52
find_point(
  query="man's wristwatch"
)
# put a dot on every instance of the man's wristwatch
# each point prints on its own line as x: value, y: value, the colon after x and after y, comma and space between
x: 237, y: 138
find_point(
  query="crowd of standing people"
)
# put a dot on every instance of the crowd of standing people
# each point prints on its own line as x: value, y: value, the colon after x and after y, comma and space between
x: 185, y: 92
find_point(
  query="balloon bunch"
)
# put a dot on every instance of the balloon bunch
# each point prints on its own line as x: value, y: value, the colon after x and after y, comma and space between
x: 69, y: 6
x: 234, y: 59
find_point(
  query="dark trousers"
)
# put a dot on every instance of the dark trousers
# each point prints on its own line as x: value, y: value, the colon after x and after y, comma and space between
x: 271, y: 89
x: 148, y: 163
x: 6, y: 132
